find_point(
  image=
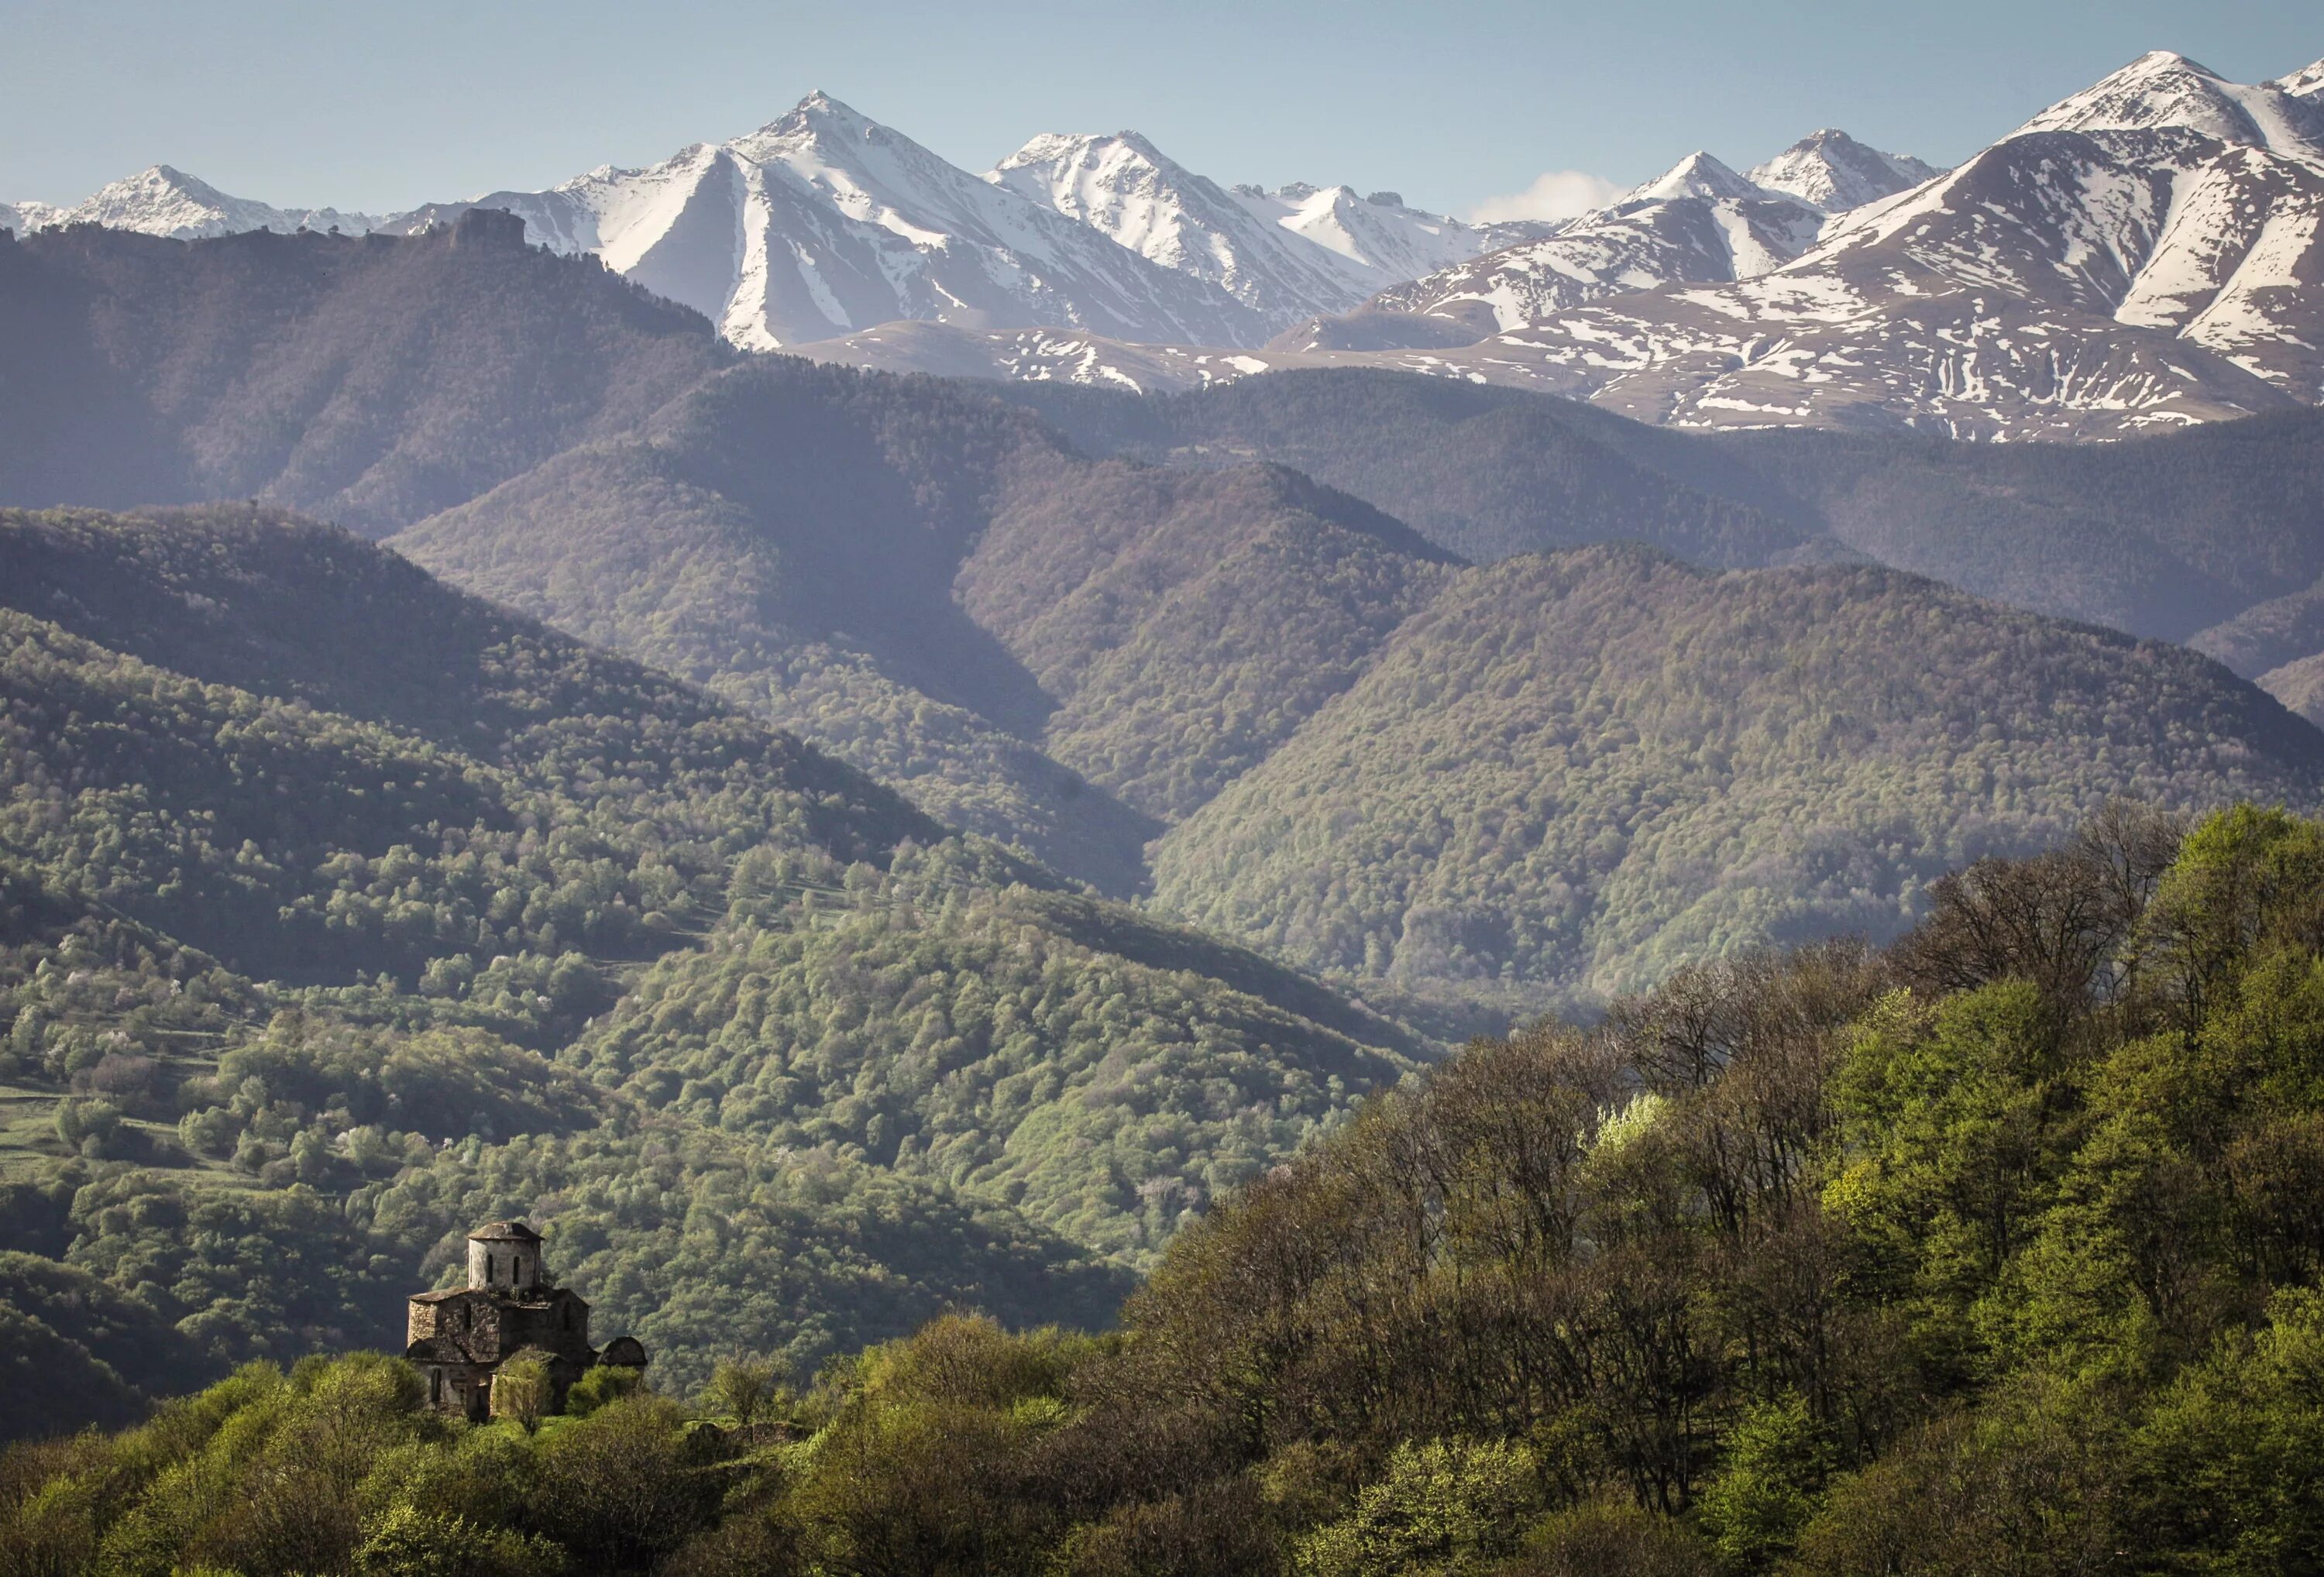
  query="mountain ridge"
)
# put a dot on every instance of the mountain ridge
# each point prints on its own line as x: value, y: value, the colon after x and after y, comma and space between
x: 2144, y: 253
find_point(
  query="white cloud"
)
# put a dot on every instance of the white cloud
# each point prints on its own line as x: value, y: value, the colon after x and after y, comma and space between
x: 1555, y: 194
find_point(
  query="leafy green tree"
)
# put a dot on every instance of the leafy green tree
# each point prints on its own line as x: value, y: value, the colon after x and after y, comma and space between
x: 1442, y: 1507
x: 741, y: 1387
x: 1777, y: 1459
x: 522, y: 1388
x: 2228, y: 1473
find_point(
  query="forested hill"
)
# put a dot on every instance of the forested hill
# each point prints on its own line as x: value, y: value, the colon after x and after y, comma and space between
x: 301, y: 976
x: 1576, y: 772
x: 1509, y: 786
x: 1995, y: 1251
x: 922, y: 579
x: 258, y: 600
x: 234, y: 765
x: 369, y: 380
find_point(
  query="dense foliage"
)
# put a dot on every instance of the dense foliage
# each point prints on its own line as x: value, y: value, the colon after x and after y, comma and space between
x: 1997, y: 1251
x: 1576, y: 773
x: 919, y: 579
x: 1033, y: 1048
x: 307, y: 967
x: 578, y: 807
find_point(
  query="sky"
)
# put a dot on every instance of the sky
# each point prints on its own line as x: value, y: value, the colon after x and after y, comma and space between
x: 1463, y: 105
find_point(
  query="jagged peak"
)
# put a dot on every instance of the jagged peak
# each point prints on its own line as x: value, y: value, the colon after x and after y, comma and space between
x: 818, y: 114
x: 1698, y: 175
x: 171, y: 175
x: 2308, y: 82
x: 1832, y: 172
x: 1828, y: 137
x: 1047, y: 147
x: 2164, y: 89
x: 2155, y: 61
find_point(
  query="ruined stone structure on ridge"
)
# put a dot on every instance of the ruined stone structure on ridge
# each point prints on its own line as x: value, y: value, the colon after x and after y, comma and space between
x: 459, y: 1338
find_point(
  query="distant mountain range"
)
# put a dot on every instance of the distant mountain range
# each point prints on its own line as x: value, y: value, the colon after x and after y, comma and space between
x: 2145, y: 254
x: 824, y: 222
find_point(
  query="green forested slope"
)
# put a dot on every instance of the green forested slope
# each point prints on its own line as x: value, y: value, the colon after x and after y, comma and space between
x: 919, y: 579
x: 1571, y: 772
x: 1995, y: 1252
x: 290, y: 995
x: 1187, y: 623
x: 788, y: 538
x: 1034, y: 1047
x: 601, y: 803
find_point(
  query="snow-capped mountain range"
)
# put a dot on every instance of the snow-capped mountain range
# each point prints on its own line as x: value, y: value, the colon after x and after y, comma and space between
x: 1698, y: 223
x: 162, y: 201
x: 2147, y: 252
x: 825, y: 221
x: 1289, y: 253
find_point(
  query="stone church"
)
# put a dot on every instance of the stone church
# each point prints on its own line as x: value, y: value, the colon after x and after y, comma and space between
x: 459, y: 1338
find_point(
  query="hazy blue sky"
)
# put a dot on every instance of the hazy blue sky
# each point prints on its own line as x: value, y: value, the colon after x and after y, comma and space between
x: 383, y: 105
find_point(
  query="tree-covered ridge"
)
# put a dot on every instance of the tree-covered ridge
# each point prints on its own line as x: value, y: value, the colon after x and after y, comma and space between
x: 1573, y: 773
x: 372, y: 380
x: 292, y: 995
x: 1187, y: 623
x: 1106, y: 1075
x: 1994, y: 1251
x: 787, y: 537
x: 923, y: 580
x: 299, y: 844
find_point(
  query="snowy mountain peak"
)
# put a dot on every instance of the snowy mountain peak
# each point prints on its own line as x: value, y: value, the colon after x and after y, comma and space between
x: 1296, y: 252
x: 1698, y: 175
x: 2308, y: 82
x: 1077, y: 173
x: 2162, y: 89
x: 1832, y: 172
x: 164, y: 200
x: 818, y: 115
